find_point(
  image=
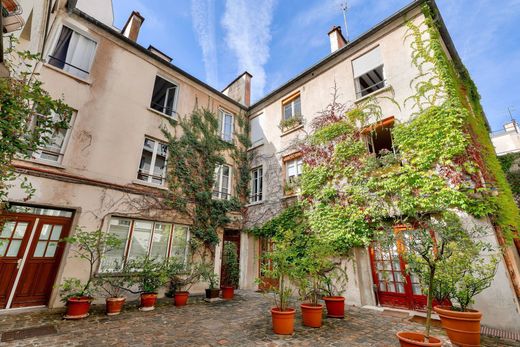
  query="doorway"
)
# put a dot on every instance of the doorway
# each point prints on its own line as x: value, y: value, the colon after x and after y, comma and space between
x: 30, y: 253
x: 231, y: 241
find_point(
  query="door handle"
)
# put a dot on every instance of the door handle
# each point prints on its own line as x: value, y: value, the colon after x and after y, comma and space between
x: 18, y: 263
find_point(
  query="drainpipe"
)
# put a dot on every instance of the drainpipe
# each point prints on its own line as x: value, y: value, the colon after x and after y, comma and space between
x: 2, y: 34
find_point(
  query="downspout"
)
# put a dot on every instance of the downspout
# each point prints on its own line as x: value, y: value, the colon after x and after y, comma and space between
x: 1, y: 35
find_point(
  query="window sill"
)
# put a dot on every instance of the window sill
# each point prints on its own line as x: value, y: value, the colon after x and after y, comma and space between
x: 44, y: 162
x: 255, y: 146
x: 164, y: 115
x: 79, y: 79
x: 379, y: 91
x: 289, y: 196
x: 292, y: 130
x: 255, y: 203
x: 150, y: 185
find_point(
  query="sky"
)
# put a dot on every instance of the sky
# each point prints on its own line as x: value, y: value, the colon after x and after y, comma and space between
x: 275, y: 40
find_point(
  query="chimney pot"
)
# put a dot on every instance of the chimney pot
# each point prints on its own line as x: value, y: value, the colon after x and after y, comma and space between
x: 133, y: 25
x: 337, y: 40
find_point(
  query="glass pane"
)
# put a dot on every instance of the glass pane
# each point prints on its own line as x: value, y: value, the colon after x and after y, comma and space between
x: 287, y: 111
x: 7, y: 230
x: 20, y: 230
x: 40, y: 249
x: 42, y: 211
x: 14, y: 247
x: 49, y: 156
x: 51, y: 249
x: 3, y: 246
x: 46, y: 232
x: 160, y: 163
x: 299, y: 166
x: 291, y: 168
x: 180, y: 242
x: 161, y: 236
x: 297, y: 107
x: 400, y: 287
x: 140, y: 239
x: 416, y: 289
x: 391, y: 287
x: 146, y: 162
x: 149, y: 145
x: 119, y: 228
x: 56, y: 233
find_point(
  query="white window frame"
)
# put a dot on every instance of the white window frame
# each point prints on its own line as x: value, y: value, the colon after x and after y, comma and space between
x: 79, y: 31
x: 294, y: 162
x: 217, y: 191
x: 128, y: 243
x: 291, y: 101
x: 150, y: 175
x: 175, y: 100
x: 357, y: 76
x: 37, y: 155
x: 257, y: 185
x: 222, y: 115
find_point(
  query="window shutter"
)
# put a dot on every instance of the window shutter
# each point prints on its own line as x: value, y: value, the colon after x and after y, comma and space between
x: 367, y: 62
x: 257, y: 134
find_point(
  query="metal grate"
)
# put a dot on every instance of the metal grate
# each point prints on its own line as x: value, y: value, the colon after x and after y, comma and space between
x: 503, y: 334
x: 21, y: 334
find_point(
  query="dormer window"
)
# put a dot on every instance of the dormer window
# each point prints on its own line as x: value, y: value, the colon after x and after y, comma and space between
x: 164, y: 96
x: 368, y: 73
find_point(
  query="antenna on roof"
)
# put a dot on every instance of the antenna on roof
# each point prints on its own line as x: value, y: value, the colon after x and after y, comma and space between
x: 344, y: 8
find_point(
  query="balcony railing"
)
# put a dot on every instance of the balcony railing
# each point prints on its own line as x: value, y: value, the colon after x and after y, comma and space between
x: 370, y: 89
x: 61, y: 64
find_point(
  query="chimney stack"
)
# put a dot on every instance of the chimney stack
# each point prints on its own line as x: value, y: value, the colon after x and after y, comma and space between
x: 337, y: 40
x: 132, y: 26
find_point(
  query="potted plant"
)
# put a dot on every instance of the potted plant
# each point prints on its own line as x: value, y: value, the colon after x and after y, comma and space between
x: 334, y: 282
x: 281, y: 260
x: 427, y: 247
x: 465, y: 275
x: 148, y: 275
x: 112, y: 286
x: 181, y: 278
x: 208, y: 275
x: 231, y: 270
x: 90, y: 247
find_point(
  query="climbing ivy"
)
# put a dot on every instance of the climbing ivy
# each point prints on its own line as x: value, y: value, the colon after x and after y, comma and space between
x: 513, y: 176
x: 194, y: 155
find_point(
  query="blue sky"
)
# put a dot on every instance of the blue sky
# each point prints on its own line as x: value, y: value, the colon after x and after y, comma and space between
x: 215, y: 40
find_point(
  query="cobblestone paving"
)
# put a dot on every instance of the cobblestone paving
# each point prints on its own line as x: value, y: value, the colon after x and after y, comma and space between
x: 244, y: 321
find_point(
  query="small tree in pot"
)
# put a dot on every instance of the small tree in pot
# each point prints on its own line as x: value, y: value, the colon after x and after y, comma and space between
x: 334, y: 283
x: 180, y: 278
x: 148, y: 275
x: 208, y: 274
x: 231, y: 270
x: 112, y: 287
x: 90, y: 247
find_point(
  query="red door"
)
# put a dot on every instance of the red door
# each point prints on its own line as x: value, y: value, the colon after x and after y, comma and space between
x: 266, y: 246
x: 29, y: 258
x: 394, y: 286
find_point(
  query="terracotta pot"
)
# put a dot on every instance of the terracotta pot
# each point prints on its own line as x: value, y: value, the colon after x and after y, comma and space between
x: 114, y: 305
x: 78, y: 308
x: 181, y: 298
x: 212, y: 293
x: 312, y: 315
x: 463, y: 328
x: 283, y: 321
x: 228, y: 292
x: 148, y: 301
x: 411, y: 339
x: 335, y: 306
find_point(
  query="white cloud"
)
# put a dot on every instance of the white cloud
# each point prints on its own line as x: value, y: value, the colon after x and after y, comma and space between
x: 248, y: 33
x: 203, y: 17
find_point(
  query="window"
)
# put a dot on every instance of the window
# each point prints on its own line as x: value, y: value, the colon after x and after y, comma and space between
x: 292, y: 108
x: 257, y: 182
x: 368, y: 73
x: 257, y: 134
x: 73, y: 53
x: 164, y: 96
x: 293, y: 169
x: 226, y: 126
x: 145, y: 239
x: 55, y: 148
x: 379, y: 137
x: 222, y: 189
x: 152, y: 168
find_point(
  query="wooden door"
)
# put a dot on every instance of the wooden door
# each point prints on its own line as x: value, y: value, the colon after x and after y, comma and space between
x: 266, y: 245
x: 14, y: 237
x: 230, y: 236
x: 42, y: 263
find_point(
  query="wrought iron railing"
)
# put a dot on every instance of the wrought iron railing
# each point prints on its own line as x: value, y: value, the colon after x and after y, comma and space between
x: 61, y: 63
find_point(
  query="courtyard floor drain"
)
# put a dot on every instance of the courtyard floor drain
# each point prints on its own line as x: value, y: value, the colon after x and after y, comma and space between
x: 21, y: 334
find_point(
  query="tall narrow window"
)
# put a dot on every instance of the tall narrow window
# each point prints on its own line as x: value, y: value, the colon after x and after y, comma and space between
x: 73, y: 53
x: 54, y: 149
x: 226, y: 126
x: 164, y: 96
x: 368, y: 72
x: 256, y: 184
x: 152, y: 168
x: 257, y: 134
x: 292, y: 108
x: 222, y: 189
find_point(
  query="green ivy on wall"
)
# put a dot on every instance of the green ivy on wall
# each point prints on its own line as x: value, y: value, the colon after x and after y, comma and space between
x: 513, y: 177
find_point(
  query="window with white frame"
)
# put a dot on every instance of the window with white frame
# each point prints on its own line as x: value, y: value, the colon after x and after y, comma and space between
x: 292, y: 108
x: 152, y: 167
x: 257, y: 134
x: 226, y: 125
x: 222, y: 188
x: 369, y: 72
x: 164, y: 96
x: 257, y: 182
x: 54, y: 149
x: 73, y: 52
x: 141, y: 238
x: 293, y: 169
